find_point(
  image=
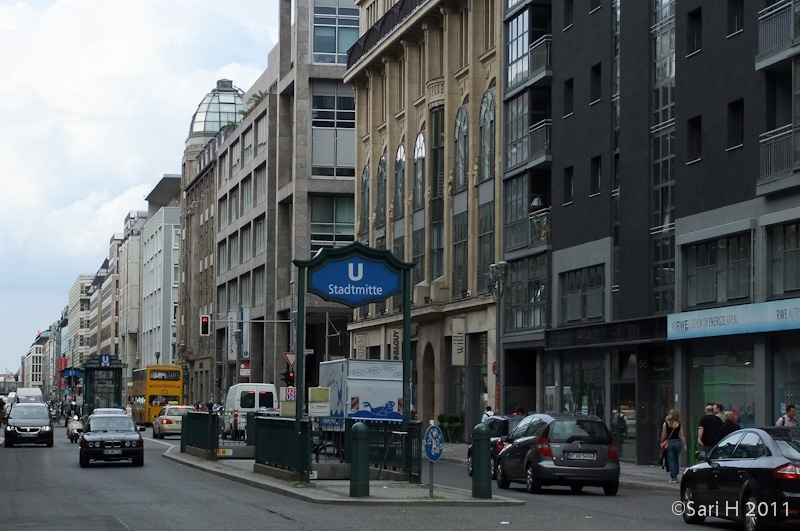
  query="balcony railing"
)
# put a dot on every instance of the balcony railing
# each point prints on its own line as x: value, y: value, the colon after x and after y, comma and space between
x: 539, y: 224
x: 774, y: 27
x: 540, y: 54
x: 776, y: 152
x: 531, y: 146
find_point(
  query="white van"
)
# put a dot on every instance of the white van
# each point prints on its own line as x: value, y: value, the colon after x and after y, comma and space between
x: 242, y: 399
x: 26, y: 395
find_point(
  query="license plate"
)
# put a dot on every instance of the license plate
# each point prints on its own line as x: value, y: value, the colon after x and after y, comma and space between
x: 112, y: 452
x: 580, y: 456
x: 27, y: 434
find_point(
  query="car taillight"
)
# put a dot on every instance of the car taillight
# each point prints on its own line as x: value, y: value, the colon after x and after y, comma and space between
x: 544, y: 447
x: 789, y: 471
x: 612, y: 451
x: 500, y: 444
x: 166, y: 421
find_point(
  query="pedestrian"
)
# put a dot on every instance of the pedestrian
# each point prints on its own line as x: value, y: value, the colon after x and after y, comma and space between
x: 719, y: 411
x: 708, y: 430
x: 728, y: 425
x: 672, y: 434
x: 790, y: 418
x: 619, y: 428
x: 129, y: 410
x: 486, y: 414
x: 519, y: 411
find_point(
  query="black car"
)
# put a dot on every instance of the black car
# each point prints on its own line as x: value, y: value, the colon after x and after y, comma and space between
x: 499, y: 428
x: 751, y: 476
x: 559, y: 449
x: 111, y: 438
x: 28, y: 424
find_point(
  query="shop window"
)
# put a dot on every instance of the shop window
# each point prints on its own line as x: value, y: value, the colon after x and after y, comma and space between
x: 722, y: 372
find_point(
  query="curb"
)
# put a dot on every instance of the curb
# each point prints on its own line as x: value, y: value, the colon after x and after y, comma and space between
x: 328, y: 499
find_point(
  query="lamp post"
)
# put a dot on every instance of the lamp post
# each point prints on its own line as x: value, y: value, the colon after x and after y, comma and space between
x: 497, y: 276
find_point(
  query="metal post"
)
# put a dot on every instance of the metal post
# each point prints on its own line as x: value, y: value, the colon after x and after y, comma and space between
x: 481, y: 462
x: 359, y: 465
x: 302, y: 452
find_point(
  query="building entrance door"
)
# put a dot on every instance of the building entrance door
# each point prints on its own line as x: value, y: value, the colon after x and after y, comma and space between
x: 623, y: 404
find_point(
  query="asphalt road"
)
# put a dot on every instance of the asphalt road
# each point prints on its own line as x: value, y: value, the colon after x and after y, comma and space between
x: 45, y: 488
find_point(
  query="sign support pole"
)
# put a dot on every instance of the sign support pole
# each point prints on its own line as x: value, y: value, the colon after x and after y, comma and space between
x: 299, y: 379
x: 407, y: 361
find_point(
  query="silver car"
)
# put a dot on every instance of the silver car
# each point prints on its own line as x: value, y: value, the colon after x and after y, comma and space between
x: 554, y: 449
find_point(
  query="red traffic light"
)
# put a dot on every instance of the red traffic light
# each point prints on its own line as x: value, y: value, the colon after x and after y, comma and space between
x: 291, y: 374
x: 205, y: 325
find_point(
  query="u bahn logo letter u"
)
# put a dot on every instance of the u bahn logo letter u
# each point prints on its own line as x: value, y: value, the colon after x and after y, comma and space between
x: 352, y: 275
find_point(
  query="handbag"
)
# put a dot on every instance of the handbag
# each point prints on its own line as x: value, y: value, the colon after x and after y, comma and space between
x: 665, y: 442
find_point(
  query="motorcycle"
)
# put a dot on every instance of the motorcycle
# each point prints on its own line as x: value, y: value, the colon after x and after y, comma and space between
x: 73, y: 426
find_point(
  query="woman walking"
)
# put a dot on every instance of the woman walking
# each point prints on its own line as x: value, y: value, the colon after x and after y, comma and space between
x: 672, y: 434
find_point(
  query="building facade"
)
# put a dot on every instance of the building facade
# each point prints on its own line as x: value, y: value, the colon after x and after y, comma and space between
x: 33, y: 363
x: 129, y: 267
x: 426, y: 78
x: 78, y: 319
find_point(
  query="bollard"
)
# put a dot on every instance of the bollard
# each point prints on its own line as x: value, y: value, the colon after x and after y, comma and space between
x: 481, y: 463
x: 359, y: 464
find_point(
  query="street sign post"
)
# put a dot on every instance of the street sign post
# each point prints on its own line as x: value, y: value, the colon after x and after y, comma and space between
x: 434, y: 445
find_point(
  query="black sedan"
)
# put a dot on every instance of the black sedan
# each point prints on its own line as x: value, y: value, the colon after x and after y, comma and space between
x: 499, y: 428
x: 111, y: 438
x: 751, y: 476
x: 559, y: 449
x: 28, y: 424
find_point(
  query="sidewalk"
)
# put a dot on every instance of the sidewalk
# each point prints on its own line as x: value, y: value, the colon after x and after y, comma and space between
x: 384, y: 492
x: 651, y: 477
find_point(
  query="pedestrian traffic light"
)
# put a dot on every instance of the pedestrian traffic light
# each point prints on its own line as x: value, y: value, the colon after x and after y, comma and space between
x: 205, y: 325
x: 291, y: 378
x: 288, y: 378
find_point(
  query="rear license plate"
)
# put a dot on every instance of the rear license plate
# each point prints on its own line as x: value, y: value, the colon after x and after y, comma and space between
x: 580, y: 456
x: 112, y: 452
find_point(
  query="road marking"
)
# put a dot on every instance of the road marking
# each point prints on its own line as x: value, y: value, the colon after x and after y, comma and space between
x: 165, y: 443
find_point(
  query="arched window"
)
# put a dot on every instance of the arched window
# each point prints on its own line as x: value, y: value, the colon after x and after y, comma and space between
x: 487, y: 136
x: 400, y: 182
x: 381, y: 214
x: 364, y: 200
x: 462, y: 149
x: 419, y: 172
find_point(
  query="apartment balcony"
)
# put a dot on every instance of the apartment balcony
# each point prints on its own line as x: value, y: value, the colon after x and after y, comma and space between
x: 539, y: 227
x: 776, y: 162
x: 533, y: 68
x: 775, y: 34
x: 531, y: 150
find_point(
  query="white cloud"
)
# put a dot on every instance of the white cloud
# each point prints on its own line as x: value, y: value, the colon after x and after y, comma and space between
x: 96, y: 98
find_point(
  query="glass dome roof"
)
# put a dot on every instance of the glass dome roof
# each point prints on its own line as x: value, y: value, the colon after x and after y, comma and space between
x: 219, y: 108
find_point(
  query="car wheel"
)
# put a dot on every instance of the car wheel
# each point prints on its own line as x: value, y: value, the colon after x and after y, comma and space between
x: 494, y: 468
x: 753, y: 521
x: 50, y: 443
x: 532, y: 484
x: 155, y: 433
x: 611, y: 489
x: 576, y: 489
x: 469, y: 464
x: 84, y: 461
x: 687, y: 497
x: 502, y: 482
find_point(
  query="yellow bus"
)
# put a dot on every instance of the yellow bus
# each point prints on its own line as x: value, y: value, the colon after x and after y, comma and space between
x: 154, y: 387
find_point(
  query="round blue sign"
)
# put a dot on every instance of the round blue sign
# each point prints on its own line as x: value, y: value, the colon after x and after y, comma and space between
x: 434, y: 443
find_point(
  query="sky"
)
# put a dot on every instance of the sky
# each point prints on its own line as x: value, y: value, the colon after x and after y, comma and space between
x: 96, y: 99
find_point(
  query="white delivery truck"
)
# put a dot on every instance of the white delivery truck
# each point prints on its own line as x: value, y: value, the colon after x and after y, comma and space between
x: 244, y: 398
x: 365, y: 389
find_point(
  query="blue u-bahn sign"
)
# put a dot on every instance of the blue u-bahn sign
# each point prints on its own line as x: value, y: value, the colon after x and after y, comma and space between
x: 355, y: 275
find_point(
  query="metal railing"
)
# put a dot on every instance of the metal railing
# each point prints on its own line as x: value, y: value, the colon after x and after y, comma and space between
x: 539, y: 227
x: 386, y: 449
x: 540, y: 53
x: 277, y: 443
x: 774, y: 27
x: 531, y: 146
x: 200, y: 429
x: 775, y: 152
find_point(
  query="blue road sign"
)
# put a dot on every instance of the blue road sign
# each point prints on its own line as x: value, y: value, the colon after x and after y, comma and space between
x: 434, y: 443
x: 354, y: 281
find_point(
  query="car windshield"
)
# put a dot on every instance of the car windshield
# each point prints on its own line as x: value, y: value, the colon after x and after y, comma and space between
x: 177, y: 411
x: 789, y: 443
x: 33, y: 412
x: 512, y: 423
x: 583, y: 430
x: 121, y: 423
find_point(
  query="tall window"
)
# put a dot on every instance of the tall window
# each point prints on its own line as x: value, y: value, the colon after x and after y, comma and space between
x: 784, y: 244
x: 518, y: 49
x: 437, y: 193
x: 694, y: 139
x: 260, y: 235
x: 363, y: 216
x: 516, y: 212
x: 247, y: 194
x: 332, y: 221
x: 595, y: 175
x: 525, y: 298
x: 460, y: 229
x: 247, y: 243
x: 694, y: 31
x: 718, y: 271
x: 261, y: 184
x: 335, y: 31
x: 487, y: 136
x: 333, y: 120
x: 596, y: 83
x: 400, y: 182
x: 735, y: 123
x: 569, y: 9
x: 261, y: 134
x: 569, y: 96
x: 461, y: 149
x: 399, y: 253
x: 248, y: 145
x: 485, y: 244
x: 582, y: 294
x: 569, y: 185
x: 381, y: 206
x: 517, y: 139
x: 735, y: 16
x: 418, y: 250
x: 488, y: 25
x: 464, y: 38
x: 419, y: 172
x: 260, y: 285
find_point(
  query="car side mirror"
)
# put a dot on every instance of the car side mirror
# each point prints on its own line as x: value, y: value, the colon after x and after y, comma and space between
x: 700, y: 455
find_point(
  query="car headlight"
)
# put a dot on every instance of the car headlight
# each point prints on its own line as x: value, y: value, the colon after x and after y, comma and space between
x: 45, y: 428
x: 96, y: 444
x: 127, y: 443
x: 9, y: 428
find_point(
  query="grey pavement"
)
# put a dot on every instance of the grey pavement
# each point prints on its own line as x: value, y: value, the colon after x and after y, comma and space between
x: 387, y: 492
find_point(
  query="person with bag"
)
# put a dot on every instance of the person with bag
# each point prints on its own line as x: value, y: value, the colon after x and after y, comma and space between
x: 789, y: 419
x: 672, y: 438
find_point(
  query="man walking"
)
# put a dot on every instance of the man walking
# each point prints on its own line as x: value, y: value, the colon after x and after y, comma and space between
x: 488, y: 413
x: 789, y: 419
x: 707, y: 433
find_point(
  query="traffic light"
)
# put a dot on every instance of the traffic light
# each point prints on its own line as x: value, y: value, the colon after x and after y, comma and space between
x: 291, y: 378
x: 288, y: 377
x: 205, y: 325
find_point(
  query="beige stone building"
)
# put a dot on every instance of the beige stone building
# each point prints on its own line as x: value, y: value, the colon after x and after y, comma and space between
x: 425, y: 75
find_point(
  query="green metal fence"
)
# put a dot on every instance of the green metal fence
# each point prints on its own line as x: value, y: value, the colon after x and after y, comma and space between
x: 277, y: 445
x: 389, y: 446
x: 200, y: 429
